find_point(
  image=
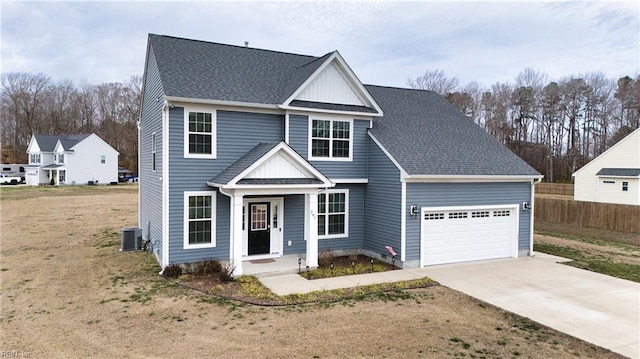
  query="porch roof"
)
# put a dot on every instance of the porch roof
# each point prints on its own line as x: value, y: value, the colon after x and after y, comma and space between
x: 270, y: 164
x: 51, y: 167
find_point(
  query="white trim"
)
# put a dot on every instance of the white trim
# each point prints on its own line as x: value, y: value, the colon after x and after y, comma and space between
x: 618, y: 176
x: 307, y: 110
x: 214, y: 138
x: 331, y: 120
x: 470, y: 178
x: 273, y: 252
x: 403, y: 173
x: 185, y: 235
x: 286, y: 127
x: 326, y: 214
x: 350, y: 180
x: 532, y: 216
x: 515, y: 208
x: 403, y: 221
x: 165, y: 185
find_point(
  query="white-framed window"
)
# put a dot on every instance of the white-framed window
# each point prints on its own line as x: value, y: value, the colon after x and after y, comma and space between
x: 199, y: 133
x: 153, y: 152
x: 61, y: 158
x: 330, y: 139
x: 199, y: 219
x: 103, y: 159
x: 34, y: 158
x: 625, y: 186
x: 333, y: 214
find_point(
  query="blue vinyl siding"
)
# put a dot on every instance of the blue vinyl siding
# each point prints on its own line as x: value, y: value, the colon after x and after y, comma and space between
x: 382, y: 202
x: 237, y: 133
x: 466, y: 194
x: 150, y: 187
x: 299, y: 140
x: 294, y: 224
x: 356, y: 222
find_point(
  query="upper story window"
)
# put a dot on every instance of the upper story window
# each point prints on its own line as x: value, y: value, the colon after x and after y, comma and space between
x: 61, y: 158
x: 34, y: 158
x: 625, y: 186
x: 330, y: 139
x: 199, y: 134
x: 103, y: 159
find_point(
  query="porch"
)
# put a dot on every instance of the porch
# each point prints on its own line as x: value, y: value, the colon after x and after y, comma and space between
x: 286, y: 264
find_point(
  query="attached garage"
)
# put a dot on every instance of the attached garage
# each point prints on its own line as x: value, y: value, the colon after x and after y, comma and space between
x: 449, y: 235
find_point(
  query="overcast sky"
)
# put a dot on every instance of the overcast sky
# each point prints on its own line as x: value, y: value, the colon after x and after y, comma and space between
x: 385, y: 43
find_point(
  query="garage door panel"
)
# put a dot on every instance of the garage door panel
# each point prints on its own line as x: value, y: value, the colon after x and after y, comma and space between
x: 459, y: 235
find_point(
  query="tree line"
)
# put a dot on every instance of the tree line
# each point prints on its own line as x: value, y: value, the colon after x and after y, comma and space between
x: 557, y: 126
x: 34, y: 103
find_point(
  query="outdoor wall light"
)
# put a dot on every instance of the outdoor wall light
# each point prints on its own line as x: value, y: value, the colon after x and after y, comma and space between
x: 526, y: 206
x: 414, y: 210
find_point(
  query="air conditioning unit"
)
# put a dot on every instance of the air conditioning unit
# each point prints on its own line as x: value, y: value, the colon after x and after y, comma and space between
x: 131, y: 239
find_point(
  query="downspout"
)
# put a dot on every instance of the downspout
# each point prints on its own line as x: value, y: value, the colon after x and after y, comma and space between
x: 533, y: 207
x: 231, y: 226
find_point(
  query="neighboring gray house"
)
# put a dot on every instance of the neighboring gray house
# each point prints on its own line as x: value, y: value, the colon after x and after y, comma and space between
x: 252, y: 154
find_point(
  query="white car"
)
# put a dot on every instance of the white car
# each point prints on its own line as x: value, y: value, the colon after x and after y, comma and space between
x: 5, y: 179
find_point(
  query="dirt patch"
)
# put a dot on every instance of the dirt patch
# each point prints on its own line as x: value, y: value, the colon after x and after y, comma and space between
x: 68, y: 291
x: 562, y: 229
x: 607, y: 251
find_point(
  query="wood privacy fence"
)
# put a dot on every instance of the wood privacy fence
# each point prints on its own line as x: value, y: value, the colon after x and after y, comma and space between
x: 617, y: 217
x: 561, y: 189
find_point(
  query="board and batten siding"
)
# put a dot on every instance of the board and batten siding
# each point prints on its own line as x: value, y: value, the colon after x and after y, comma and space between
x: 237, y: 133
x: 357, y: 168
x: 466, y: 194
x: 150, y: 185
x: 383, y: 197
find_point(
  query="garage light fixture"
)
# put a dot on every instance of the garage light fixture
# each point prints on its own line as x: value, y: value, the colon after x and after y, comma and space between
x: 526, y: 206
x: 414, y: 210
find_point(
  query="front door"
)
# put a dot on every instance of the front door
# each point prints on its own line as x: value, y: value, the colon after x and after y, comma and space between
x: 259, y: 236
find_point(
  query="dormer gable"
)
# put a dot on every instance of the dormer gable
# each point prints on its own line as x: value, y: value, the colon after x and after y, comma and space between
x: 33, y: 146
x: 333, y: 87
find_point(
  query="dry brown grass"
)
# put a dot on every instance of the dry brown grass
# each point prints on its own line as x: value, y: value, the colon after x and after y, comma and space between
x: 68, y: 292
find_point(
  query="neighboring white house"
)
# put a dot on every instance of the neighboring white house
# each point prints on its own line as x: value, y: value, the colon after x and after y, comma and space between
x: 612, y: 177
x: 70, y: 159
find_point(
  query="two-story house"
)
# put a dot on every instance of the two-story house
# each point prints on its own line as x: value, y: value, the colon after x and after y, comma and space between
x: 254, y: 154
x: 70, y: 159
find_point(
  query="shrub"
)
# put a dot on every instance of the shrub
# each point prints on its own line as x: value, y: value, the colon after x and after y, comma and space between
x: 353, y: 255
x: 226, y: 274
x: 172, y: 271
x: 208, y: 267
x: 325, y: 258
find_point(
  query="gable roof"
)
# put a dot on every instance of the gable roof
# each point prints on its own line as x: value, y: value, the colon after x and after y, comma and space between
x: 200, y: 70
x: 619, y: 172
x: 293, y: 169
x: 427, y: 136
x: 47, y: 143
x: 634, y: 135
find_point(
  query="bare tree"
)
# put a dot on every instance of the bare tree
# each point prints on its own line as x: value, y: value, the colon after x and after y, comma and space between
x: 434, y: 80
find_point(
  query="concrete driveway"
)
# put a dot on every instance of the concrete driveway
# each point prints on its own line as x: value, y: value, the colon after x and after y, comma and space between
x: 597, y: 308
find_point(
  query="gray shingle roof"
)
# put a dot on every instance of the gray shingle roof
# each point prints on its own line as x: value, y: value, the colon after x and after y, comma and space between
x: 47, y: 143
x: 243, y: 162
x: 206, y: 70
x: 428, y: 136
x: 622, y: 172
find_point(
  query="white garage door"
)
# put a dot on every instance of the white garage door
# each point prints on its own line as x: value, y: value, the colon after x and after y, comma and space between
x: 468, y: 234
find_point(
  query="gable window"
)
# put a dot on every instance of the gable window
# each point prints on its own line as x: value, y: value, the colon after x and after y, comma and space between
x: 61, y: 158
x: 625, y: 186
x: 199, y: 224
x: 200, y: 134
x: 153, y: 152
x: 103, y: 159
x: 34, y: 158
x: 333, y: 214
x: 330, y: 139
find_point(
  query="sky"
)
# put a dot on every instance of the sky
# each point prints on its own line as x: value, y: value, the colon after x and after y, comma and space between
x: 384, y: 43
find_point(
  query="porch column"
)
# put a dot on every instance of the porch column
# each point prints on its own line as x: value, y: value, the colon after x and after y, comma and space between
x: 235, y: 255
x: 311, y: 228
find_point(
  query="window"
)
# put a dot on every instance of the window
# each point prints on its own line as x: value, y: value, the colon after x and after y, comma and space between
x: 609, y: 182
x: 103, y: 159
x: 480, y: 214
x: 200, y: 134
x: 199, y: 224
x: 153, y: 152
x: 34, y: 158
x: 625, y: 186
x: 61, y: 176
x: 503, y: 213
x: 333, y: 214
x: 61, y: 158
x: 457, y: 215
x: 433, y: 216
x: 330, y: 139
